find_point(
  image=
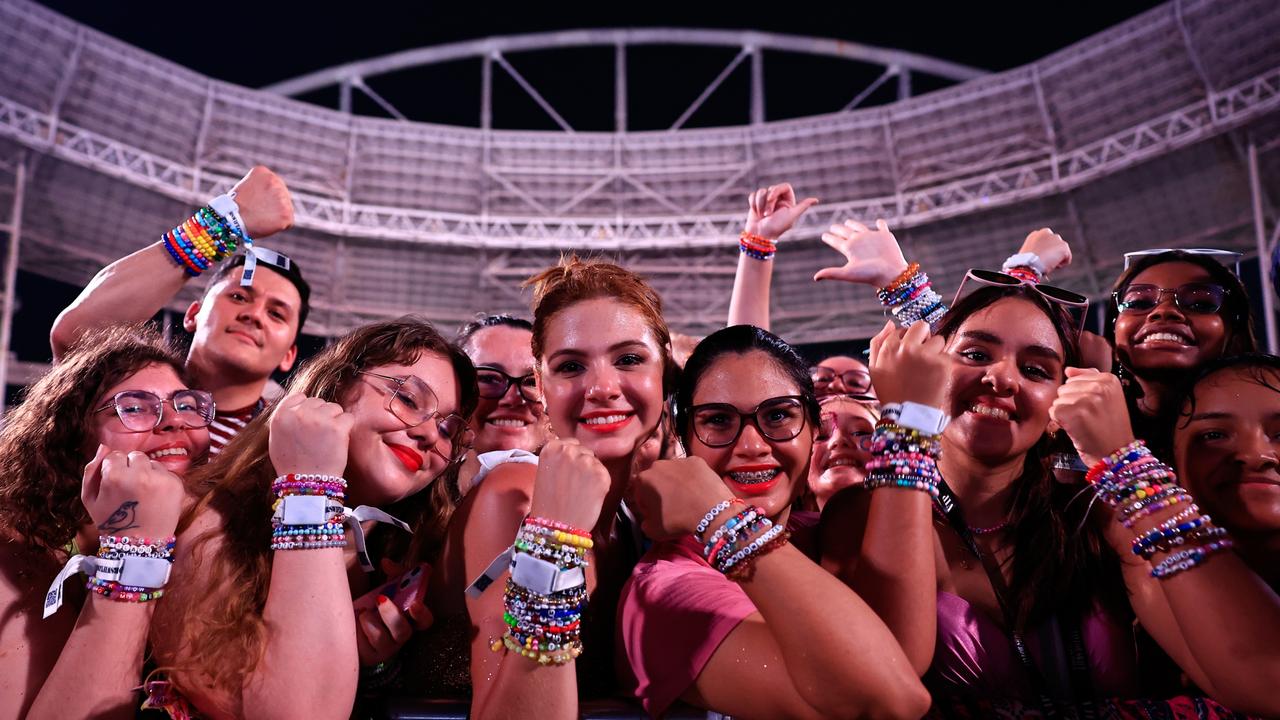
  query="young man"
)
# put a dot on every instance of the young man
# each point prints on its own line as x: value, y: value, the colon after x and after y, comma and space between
x: 241, y: 333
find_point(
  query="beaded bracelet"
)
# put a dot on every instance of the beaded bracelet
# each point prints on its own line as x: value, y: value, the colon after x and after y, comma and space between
x: 1187, y: 559
x: 113, y: 547
x: 113, y: 590
x: 756, y: 247
x: 714, y: 542
x: 711, y: 515
x: 903, y: 278
x: 752, y: 547
x: 201, y: 241
x: 745, y: 569
x: 546, y: 628
x: 738, y: 538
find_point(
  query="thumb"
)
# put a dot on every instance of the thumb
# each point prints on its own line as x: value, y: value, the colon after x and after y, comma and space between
x: 92, y: 478
x: 1079, y: 372
x: 806, y: 204
x: 882, y: 225
x: 831, y: 273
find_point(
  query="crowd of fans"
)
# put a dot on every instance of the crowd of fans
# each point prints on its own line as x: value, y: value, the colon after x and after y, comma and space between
x: 998, y: 514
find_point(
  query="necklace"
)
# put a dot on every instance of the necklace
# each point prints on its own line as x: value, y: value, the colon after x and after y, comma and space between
x: 988, y: 530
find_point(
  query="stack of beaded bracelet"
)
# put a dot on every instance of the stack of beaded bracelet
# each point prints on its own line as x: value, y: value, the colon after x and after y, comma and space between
x: 756, y: 247
x: 903, y: 457
x: 113, y: 547
x: 329, y: 534
x: 201, y: 241
x: 911, y: 297
x: 744, y: 538
x: 547, y: 628
x: 1136, y: 483
x: 729, y: 537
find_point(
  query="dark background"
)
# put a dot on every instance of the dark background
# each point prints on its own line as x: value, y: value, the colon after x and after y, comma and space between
x: 259, y: 43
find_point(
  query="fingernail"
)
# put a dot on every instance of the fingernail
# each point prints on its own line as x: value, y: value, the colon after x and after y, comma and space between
x: 383, y: 599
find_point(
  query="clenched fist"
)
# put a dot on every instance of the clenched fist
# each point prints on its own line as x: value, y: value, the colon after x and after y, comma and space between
x: 131, y: 494
x: 265, y: 204
x: 309, y: 435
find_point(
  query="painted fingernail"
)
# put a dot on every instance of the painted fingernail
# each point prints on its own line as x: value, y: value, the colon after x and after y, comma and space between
x: 383, y: 599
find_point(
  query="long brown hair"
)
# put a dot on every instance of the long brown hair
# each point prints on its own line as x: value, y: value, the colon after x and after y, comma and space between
x: 1060, y: 561
x: 47, y: 440
x: 222, y: 631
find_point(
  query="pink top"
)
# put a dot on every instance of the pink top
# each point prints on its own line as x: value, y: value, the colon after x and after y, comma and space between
x: 675, y: 611
x: 975, y: 656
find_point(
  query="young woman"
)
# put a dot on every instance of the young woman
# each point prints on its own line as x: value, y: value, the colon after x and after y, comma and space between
x: 604, y: 365
x: 842, y: 446
x: 98, y: 447
x: 263, y: 624
x: 510, y: 421
x: 1019, y: 568
x: 1227, y: 446
x: 1171, y: 314
x: 777, y: 636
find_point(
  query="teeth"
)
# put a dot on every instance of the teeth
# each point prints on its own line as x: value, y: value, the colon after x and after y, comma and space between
x: 506, y: 422
x: 605, y: 420
x: 1170, y: 337
x: 842, y: 462
x: 998, y: 413
x: 754, y: 477
x: 166, y: 452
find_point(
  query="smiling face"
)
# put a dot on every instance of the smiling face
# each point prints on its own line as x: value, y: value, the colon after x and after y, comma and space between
x: 1169, y: 337
x: 1007, y: 366
x: 1227, y: 451
x: 768, y: 473
x: 509, y: 422
x: 839, y: 453
x: 172, y: 443
x: 388, y: 461
x: 602, y: 376
x: 247, y: 332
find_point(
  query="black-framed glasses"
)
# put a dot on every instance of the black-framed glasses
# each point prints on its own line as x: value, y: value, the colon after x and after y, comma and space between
x: 493, y: 384
x: 413, y: 402
x: 848, y: 427
x: 720, y: 424
x: 1076, y: 305
x: 1222, y: 256
x: 1202, y: 298
x: 142, y: 411
x: 856, y: 381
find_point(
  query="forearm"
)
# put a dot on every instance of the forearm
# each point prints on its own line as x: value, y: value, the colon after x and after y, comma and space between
x: 100, y: 666
x: 310, y: 664
x: 836, y: 649
x: 749, y: 303
x: 522, y: 686
x: 896, y: 574
x: 129, y: 290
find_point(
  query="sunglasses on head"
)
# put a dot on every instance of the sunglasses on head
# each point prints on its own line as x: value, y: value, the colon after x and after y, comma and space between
x: 1201, y: 298
x: 1225, y: 257
x: 1074, y: 303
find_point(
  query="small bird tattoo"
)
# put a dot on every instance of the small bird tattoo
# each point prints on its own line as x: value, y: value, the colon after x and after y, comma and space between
x: 121, y: 519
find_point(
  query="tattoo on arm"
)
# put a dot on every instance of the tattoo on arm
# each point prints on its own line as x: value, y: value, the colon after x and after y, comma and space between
x: 121, y: 519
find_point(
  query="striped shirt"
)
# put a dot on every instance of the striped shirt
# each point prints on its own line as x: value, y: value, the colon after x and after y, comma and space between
x: 226, y: 425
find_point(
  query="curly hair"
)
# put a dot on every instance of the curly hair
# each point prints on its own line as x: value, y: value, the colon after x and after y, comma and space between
x: 223, y: 635
x: 47, y: 439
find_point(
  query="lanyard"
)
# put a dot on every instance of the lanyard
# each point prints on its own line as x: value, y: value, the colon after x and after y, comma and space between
x: 1079, y: 669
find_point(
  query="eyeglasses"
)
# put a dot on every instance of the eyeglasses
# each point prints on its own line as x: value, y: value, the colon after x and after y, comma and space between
x: 1074, y: 303
x: 412, y: 402
x: 856, y: 382
x: 493, y: 384
x: 848, y: 426
x: 1202, y: 298
x: 1222, y: 256
x: 142, y: 411
x: 720, y: 424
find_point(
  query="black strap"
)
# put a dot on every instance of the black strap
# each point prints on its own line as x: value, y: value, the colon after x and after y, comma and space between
x: 951, y: 510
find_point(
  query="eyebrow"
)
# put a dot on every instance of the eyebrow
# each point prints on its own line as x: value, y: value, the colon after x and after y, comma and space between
x: 1211, y: 416
x: 612, y: 348
x: 984, y: 336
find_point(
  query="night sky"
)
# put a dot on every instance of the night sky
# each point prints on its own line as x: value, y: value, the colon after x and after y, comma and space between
x: 255, y: 44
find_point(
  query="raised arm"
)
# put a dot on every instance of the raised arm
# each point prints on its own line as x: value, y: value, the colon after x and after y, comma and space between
x: 568, y: 486
x: 880, y: 541
x: 135, y: 287
x: 838, y: 659
x: 100, y: 666
x: 1216, y: 618
x: 772, y: 212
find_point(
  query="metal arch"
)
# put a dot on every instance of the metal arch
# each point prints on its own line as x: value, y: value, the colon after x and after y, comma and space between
x: 622, y: 37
